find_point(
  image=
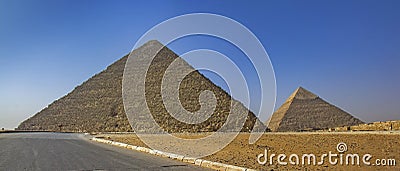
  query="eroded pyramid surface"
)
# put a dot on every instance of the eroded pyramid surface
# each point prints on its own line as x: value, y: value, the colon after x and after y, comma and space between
x: 96, y: 105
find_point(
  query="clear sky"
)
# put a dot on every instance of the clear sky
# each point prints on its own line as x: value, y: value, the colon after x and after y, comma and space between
x: 346, y: 51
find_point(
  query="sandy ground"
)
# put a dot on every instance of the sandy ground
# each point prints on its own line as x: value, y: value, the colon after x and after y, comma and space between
x: 381, y: 145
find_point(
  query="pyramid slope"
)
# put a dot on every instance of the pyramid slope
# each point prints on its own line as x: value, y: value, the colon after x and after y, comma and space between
x: 305, y: 110
x: 97, y: 105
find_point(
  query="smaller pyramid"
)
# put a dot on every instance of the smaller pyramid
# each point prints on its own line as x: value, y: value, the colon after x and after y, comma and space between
x: 305, y: 110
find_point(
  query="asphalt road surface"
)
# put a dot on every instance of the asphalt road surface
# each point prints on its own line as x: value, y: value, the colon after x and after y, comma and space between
x: 62, y: 151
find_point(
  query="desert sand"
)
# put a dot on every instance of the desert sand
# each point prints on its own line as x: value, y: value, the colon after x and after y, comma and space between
x: 381, y: 145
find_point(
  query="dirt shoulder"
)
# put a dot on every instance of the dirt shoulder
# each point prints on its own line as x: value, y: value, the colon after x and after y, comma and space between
x: 381, y: 145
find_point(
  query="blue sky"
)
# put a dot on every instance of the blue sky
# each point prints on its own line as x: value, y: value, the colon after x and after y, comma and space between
x: 347, y: 52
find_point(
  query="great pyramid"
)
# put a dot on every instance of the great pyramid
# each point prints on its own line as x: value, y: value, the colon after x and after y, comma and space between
x: 304, y: 110
x: 97, y: 104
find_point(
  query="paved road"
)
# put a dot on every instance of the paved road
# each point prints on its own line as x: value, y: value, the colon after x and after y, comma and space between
x: 61, y: 151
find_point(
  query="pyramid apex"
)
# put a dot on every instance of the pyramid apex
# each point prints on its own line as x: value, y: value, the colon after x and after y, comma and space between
x: 153, y: 43
x: 151, y: 46
x: 302, y: 93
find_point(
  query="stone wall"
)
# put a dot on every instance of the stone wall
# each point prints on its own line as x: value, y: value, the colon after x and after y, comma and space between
x: 375, y: 126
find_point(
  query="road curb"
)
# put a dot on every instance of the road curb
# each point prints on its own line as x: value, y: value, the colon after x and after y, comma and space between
x: 190, y: 160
